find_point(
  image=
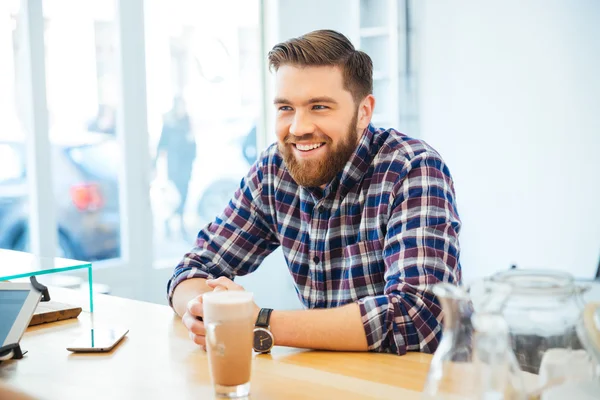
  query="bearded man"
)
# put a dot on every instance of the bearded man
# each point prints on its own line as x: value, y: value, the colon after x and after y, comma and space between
x: 366, y: 217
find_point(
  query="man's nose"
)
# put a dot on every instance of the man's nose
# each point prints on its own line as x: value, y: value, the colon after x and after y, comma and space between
x: 302, y: 124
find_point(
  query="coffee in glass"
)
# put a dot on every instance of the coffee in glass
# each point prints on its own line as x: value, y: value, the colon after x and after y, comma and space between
x: 228, y: 318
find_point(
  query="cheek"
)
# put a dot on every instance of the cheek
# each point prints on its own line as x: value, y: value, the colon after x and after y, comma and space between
x: 332, y: 134
x: 334, y: 127
x: 282, y: 128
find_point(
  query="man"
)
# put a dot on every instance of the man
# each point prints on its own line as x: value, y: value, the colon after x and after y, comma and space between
x: 366, y: 217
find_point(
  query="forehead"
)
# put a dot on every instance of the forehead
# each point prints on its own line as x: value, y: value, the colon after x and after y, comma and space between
x: 298, y: 83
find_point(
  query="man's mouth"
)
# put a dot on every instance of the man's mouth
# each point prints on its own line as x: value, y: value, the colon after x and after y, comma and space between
x: 306, y: 147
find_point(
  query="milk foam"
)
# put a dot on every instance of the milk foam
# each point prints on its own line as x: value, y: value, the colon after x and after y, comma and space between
x: 227, y: 305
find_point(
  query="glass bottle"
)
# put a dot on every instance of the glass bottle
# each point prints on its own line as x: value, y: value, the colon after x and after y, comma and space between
x: 474, y: 359
x: 497, y: 373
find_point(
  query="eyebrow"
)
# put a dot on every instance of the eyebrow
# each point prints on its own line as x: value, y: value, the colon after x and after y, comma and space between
x: 313, y: 100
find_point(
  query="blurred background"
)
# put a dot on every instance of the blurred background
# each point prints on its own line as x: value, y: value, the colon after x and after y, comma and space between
x: 127, y: 125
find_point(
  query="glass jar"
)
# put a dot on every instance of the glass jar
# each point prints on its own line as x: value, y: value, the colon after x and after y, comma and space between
x: 542, y: 313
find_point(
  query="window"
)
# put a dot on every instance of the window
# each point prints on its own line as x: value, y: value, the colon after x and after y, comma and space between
x: 82, y: 100
x: 14, y: 193
x: 203, y: 105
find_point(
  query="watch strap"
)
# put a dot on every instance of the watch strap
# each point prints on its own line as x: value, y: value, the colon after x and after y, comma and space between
x: 263, y: 317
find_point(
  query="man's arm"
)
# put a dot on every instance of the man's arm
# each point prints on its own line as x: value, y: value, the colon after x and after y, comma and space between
x: 186, y: 291
x: 324, y: 329
x: 234, y: 244
x: 338, y: 328
x: 421, y: 249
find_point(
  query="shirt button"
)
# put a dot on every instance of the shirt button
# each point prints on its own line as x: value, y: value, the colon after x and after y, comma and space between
x: 321, y: 209
x: 316, y: 259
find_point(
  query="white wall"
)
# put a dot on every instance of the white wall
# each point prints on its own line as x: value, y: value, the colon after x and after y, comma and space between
x: 510, y: 96
x: 295, y: 18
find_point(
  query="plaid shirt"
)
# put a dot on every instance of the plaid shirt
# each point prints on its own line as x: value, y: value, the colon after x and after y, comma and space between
x: 380, y: 234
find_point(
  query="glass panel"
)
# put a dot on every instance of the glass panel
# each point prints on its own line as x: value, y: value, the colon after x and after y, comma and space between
x: 203, y: 104
x: 14, y: 195
x: 17, y: 265
x: 81, y: 91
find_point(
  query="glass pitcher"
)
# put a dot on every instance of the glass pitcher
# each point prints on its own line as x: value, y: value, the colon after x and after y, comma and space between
x: 474, y: 359
x: 542, y: 313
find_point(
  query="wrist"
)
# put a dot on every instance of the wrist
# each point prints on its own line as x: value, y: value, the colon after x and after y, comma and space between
x: 263, y: 337
x: 255, y: 313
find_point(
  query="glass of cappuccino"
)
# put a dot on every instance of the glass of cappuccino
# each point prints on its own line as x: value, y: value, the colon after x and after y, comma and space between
x: 228, y: 319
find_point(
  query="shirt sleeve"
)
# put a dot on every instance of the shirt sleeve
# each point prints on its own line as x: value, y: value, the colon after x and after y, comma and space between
x: 235, y: 243
x: 420, y: 249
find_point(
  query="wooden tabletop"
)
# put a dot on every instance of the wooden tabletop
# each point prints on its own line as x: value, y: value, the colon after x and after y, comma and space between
x: 157, y: 360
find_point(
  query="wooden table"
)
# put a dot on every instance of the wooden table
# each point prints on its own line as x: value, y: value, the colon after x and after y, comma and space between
x: 157, y: 360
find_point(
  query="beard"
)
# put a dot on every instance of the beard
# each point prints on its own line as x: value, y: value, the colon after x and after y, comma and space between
x: 321, y: 171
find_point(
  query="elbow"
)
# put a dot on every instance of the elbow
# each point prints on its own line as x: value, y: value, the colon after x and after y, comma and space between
x: 400, y: 322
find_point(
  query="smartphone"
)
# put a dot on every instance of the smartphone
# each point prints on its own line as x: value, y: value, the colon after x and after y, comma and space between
x: 98, y: 340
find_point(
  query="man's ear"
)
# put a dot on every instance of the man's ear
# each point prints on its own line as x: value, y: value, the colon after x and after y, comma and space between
x: 365, y: 112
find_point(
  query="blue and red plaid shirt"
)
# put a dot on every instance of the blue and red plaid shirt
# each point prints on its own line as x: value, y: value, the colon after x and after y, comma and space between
x: 380, y: 234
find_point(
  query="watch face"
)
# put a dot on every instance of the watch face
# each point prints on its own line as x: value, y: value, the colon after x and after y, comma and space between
x: 263, y: 340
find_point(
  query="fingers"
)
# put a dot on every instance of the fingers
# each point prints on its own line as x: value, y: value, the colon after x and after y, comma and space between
x: 198, y: 339
x: 192, y: 320
x: 193, y: 325
x: 195, y: 307
x: 223, y: 283
x: 194, y: 310
x: 196, y: 330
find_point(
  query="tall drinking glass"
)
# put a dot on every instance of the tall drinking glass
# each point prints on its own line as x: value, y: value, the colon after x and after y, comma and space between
x: 228, y: 318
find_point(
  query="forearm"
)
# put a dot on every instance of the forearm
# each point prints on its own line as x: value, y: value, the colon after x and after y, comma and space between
x: 186, y: 291
x: 338, y: 328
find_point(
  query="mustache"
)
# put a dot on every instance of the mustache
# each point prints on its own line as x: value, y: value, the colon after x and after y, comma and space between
x: 291, y: 139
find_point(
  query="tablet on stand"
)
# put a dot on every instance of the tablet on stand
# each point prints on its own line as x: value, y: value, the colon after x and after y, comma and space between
x: 18, y: 302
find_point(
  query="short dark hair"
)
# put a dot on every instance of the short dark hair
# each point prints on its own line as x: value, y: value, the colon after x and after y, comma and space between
x: 328, y: 48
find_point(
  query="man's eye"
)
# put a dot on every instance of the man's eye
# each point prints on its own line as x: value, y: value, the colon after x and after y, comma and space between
x: 285, y: 108
x: 320, y: 107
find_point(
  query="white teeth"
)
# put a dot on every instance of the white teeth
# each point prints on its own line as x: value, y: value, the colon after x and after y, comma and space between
x: 307, y: 147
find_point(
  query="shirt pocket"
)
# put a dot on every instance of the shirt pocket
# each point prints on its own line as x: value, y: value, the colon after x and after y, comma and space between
x: 363, y: 270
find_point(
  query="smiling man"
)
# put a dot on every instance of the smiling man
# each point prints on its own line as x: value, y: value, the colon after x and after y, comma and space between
x: 366, y: 217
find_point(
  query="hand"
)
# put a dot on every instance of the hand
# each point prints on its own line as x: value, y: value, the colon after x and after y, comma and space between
x: 194, y: 309
x: 195, y: 327
x: 223, y: 283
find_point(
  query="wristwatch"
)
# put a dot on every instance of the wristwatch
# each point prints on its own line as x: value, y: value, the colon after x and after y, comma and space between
x: 263, y: 338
